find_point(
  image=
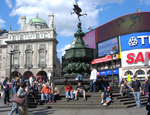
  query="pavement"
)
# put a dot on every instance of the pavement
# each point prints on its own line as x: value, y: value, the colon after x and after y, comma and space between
x: 40, y: 111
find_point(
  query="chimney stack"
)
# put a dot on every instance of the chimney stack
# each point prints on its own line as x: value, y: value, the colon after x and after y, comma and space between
x: 138, y: 10
x: 23, y: 21
x: 51, y: 20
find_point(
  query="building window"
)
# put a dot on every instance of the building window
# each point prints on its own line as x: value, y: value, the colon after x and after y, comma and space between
x: 0, y: 50
x: 37, y: 36
x: 15, y: 59
x: 16, y: 47
x: 29, y: 47
x: 0, y: 41
x: 139, y: 72
x: 21, y: 37
x: 46, y: 35
x: 28, y: 59
x: 0, y: 58
x: 128, y: 72
x: 42, y: 46
x: 14, y: 37
x: 42, y: 58
x: 0, y: 65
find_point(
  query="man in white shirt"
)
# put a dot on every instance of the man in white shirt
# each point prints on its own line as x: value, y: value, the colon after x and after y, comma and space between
x: 31, y: 79
x: 93, y: 78
x: 49, y: 75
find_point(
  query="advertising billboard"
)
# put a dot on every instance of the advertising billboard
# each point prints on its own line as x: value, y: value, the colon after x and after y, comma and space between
x: 109, y: 72
x: 139, y: 40
x: 137, y: 57
x: 135, y: 22
x: 89, y: 39
x: 104, y: 48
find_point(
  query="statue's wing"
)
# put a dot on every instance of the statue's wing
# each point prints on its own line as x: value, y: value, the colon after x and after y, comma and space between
x: 77, y: 8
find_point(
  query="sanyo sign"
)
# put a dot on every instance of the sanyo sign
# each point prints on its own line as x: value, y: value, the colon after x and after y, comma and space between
x: 135, y: 41
x: 137, y: 57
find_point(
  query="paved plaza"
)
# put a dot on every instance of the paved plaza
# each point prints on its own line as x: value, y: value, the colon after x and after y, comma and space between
x: 40, y: 111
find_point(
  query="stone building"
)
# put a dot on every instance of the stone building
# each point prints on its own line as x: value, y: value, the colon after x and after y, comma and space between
x: 34, y: 49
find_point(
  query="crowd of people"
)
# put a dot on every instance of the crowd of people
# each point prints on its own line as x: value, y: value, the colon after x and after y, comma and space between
x: 49, y: 92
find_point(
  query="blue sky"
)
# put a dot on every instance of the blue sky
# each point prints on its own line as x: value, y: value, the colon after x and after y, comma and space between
x: 98, y: 12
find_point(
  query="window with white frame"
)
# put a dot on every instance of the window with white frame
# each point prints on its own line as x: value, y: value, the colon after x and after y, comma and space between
x: 42, y: 46
x: 37, y: 36
x: 42, y: 58
x: 14, y: 37
x: 29, y: 47
x: 15, y: 59
x: 21, y: 37
x: 28, y: 59
x: 45, y: 35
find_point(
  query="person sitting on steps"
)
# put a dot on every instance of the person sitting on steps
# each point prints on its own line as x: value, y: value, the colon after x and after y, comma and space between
x: 107, y: 96
x: 124, y: 89
x: 80, y: 91
x: 45, y: 92
x: 69, y: 90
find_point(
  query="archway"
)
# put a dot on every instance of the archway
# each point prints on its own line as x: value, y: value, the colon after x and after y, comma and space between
x: 14, y: 74
x: 27, y: 74
x: 42, y: 74
x: 128, y: 72
x: 139, y: 72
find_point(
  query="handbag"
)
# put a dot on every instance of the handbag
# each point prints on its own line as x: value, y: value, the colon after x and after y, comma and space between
x: 18, y: 100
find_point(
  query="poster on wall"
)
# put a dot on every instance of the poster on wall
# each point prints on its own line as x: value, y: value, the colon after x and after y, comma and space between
x: 104, y: 48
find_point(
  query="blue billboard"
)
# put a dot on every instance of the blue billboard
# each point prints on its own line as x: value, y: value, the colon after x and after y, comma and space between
x: 135, y: 41
x: 109, y: 72
x: 105, y: 47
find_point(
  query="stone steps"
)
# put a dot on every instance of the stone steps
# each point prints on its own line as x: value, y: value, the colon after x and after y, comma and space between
x: 93, y: 101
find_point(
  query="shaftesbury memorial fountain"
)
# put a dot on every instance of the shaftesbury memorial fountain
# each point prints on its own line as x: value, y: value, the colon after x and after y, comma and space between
x: 80, y: 56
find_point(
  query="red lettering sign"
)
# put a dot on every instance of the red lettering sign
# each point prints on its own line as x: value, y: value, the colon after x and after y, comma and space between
x: 130, y: 56
x: 139, y: 57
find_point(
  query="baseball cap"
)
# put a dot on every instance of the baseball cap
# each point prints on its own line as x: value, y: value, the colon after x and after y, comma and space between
x: 108, y: 87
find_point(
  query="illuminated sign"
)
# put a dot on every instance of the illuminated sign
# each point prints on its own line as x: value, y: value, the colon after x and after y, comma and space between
x: 105, y: 47
x: 135, y: 41
x: 103, y: 59
x: 137, y: 57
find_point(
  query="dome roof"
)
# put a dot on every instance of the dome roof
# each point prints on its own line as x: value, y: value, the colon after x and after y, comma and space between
x: 38, y: 20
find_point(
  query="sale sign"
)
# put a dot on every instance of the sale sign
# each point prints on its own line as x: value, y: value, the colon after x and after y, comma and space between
x: 137, y: 57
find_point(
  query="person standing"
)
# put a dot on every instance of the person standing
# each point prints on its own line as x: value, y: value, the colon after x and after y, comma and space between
x: 15, y: 105
x: 136, y: 88
x: 31, y: 79
x: 93, y: 78
x: 23, y: 109
x: 6, y: 90
x: 49, y: 75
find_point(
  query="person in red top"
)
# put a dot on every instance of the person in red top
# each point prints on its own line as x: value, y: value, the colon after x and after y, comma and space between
x: 69, y: 90
x: 45, y: 92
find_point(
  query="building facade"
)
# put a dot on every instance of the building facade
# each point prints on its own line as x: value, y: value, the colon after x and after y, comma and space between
x: 129, y: 37
x: 34, y: 49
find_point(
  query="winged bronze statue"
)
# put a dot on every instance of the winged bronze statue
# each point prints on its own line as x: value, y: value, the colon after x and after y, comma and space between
x: 78, y: 11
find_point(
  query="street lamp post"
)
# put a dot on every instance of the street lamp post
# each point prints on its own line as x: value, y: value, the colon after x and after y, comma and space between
x: 11, y: 53
x: 111, y: 52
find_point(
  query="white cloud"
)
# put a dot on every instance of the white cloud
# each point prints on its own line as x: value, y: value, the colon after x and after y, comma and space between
x: 2, y: 23
x: 8, y: 2
x: 147, y: 2
x: 66, y: 24
x: 62, y: 50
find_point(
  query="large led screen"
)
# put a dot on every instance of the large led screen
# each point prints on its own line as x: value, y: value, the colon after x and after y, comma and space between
x: 89, y: 39
x: 104, y: 48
